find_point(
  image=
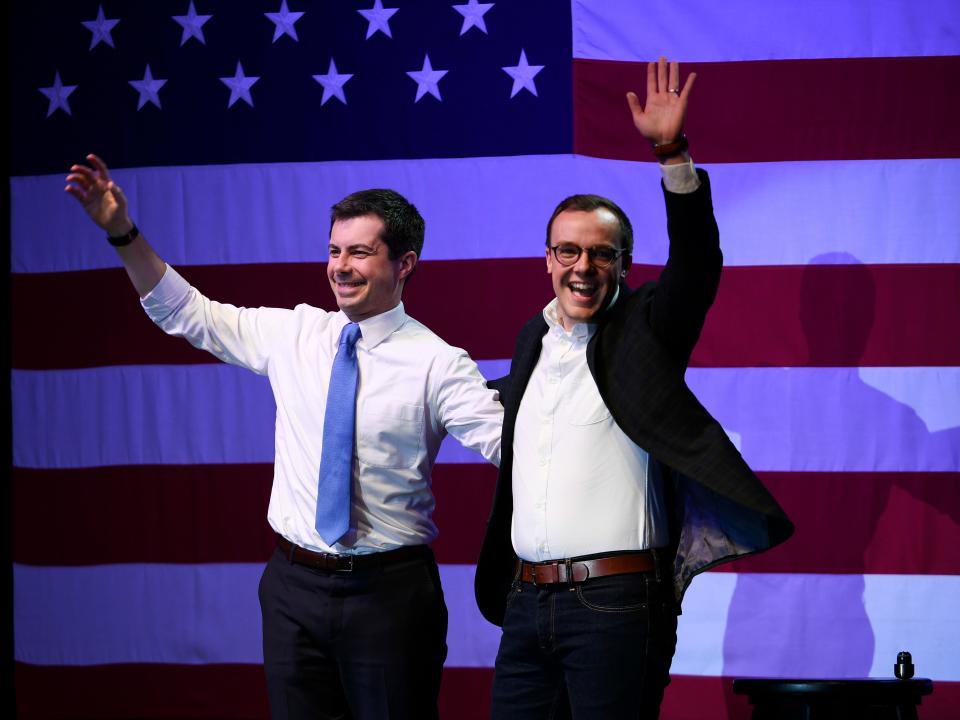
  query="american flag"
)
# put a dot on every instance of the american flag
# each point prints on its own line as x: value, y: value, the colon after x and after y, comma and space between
x: 142, y: 468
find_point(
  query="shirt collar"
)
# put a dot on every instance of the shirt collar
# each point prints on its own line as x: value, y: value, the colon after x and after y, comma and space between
x: 376, y: 329
x: 579, y: 330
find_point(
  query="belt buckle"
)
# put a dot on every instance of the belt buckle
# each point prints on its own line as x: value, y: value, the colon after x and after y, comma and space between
x: 344, y: 563
x: 533, y: 572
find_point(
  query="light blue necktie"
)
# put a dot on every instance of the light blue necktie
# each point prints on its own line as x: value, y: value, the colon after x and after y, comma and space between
x: 336, y: 457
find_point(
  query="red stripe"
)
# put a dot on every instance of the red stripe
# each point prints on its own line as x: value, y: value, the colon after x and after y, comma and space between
x: 906, y: 523
x: 147, y: 691
x: 775, y: 110
x: 903, y: 523
x: 825, y: 315
x: 238, y: 692
x: 197, y: 514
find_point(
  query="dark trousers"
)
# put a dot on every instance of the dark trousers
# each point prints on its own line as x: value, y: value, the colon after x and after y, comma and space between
x: 600, y: 650
x: 363, y: 645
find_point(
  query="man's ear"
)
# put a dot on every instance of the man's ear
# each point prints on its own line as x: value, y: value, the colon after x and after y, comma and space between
x: 408, y: 261
x: 549, y: 261
x: 627, y: 262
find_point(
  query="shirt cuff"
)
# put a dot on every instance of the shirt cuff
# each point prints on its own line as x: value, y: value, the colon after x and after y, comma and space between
x: 166, y: 294
x: 680, y: 178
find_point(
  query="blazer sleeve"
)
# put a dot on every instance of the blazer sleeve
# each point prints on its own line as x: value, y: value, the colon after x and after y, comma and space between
x: 689, y: 281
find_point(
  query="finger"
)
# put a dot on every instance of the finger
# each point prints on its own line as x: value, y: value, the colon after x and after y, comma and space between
x: 662, y: 75
x: 84, y: 172
x: 674, y: 82
x: 80, y: 182
x: 77, y: 193
x: 651, y: 79
x: 634, y: 102
x: 688, y: 86
x: 99, y: 166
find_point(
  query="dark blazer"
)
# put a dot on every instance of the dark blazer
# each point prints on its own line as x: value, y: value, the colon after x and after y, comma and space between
x: 717, y: 508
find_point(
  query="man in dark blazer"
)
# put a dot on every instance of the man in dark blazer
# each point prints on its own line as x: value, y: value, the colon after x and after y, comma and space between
x: 616, y: 486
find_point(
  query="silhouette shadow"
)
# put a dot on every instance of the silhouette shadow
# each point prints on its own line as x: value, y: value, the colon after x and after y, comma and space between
x: 829, y: 634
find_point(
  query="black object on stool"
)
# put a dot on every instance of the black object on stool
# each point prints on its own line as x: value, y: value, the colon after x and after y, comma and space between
x: 811, y: 699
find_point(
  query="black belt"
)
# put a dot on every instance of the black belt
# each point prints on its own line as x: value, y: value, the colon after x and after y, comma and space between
x: 577, y: 570
x: 349, y: 563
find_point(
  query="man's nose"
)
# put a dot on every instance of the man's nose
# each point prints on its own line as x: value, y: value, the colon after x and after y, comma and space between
x: 583, y: 263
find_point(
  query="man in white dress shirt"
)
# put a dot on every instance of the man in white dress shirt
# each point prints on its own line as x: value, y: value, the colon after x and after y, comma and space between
x: 354, y: 620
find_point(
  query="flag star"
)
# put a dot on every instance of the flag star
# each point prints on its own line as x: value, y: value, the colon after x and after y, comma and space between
x: 378, y: 19
x: 100, y: 27
x: 148, y: 88
x: 523, y: 74
x: 239, y: 86
x: 57, y: 94
x: 284, y: 21
x: 192, y: 25
x: 473, y: 13
x: 333, y: 83
x: 427, y: 79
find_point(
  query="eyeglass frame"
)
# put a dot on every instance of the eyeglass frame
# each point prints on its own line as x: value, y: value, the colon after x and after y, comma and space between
x: 591, y: 254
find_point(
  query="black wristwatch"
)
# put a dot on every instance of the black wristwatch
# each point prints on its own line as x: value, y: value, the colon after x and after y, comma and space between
x: 126, y: 239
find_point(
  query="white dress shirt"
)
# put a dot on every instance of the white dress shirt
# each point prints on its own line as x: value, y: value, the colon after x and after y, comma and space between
x: 413, y: 390
x: 580, y: 485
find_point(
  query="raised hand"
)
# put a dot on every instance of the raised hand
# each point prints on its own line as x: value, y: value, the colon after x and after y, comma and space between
x: 102, y: 199
x: 661, y: 121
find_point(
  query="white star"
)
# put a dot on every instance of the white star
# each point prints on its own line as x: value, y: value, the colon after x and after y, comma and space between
x: 427, y: 79
x: 148, y: 88
x: 192, y: 25
x: 333, y: 83
x: 473, y: 13
x: 284, y: 21
x: 523, y: 75
x: 100, y: 28
x: 57, y: 94
x: 239, y: 86
x: 378, y: 18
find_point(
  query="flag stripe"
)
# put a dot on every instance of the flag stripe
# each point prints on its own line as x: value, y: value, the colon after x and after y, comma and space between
x: 161, y: 692
x: 757, y: 30
x: 763, y: 316
x: 781, y: 419
x: 148, y: 613
x: 882, y: 537
x: 783, y: 125
x: 881, y: 211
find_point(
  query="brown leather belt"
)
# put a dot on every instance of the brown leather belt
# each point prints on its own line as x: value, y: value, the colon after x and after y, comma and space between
x: 349, y: 563
x: 574, y: 570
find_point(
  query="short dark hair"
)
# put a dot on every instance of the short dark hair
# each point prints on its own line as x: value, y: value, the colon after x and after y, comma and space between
x: 403, y: 226
x: 589, y: 203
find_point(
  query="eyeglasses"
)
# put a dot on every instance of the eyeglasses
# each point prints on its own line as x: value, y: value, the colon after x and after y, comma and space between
x: 600, y: 257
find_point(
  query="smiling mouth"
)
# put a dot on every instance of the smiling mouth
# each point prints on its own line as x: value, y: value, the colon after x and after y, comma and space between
x: 341, y: 285
x: 583, y: 290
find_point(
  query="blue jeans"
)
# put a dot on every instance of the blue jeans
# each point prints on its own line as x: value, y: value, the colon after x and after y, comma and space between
x: 597, y: 650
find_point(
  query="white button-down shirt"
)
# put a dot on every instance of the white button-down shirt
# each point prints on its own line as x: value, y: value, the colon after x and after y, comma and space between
x: 413, y: 390
x: 580, y: 485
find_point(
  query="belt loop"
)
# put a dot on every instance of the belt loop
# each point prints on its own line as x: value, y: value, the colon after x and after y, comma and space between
x: 568, y: 565
x: 656, y: 563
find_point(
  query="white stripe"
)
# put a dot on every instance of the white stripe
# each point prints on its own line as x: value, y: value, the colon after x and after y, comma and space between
x: 732, y: 625
x: 883, y: 211
x: 785, y: 419
x: 703, y: 30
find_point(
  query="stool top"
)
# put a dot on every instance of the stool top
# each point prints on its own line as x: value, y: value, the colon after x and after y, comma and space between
x: 849, y: 688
